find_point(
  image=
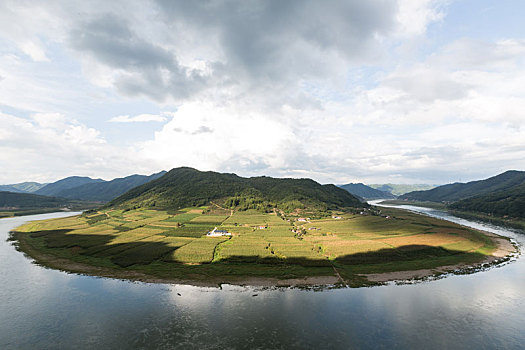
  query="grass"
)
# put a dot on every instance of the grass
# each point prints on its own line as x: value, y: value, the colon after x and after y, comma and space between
x: 174, y: 245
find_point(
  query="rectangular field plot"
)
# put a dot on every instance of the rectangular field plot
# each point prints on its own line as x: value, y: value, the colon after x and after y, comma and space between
x: 59, y: 239
x: 103, y: 229
x: 188, y: 230
x: 209, y: 219
x: 176, y: 242
x: 254, y: 219
x: 144, y: 222
x: 246, y: 249
x: 136, y: 235
x: 143, y: 254
x: 182, y: 218
x: 197, y: 251
x: 279, y: 231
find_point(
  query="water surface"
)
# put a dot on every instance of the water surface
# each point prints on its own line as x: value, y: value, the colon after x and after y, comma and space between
x: 47, y: 309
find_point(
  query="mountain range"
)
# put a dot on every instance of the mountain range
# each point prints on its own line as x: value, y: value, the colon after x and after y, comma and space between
x: 366, y: 192
x: 82, y: 188
x: 98, y: 190
x: 502, y: 195
x: 458, y: 191
x: 400, y: 189
x: 186, y: 187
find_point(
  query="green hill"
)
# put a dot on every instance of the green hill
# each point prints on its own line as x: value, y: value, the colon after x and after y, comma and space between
x: 17, y: 204
x: 104, y: 191
x: 28, y: 200
x: 53, y: 189
x: 366, y: 192
x: 509, y: 202
x: 458, y: 191
x: 400, y: 189
x: 184, y: 187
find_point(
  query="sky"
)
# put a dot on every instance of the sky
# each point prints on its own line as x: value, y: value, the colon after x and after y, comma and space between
x: 373, y: 91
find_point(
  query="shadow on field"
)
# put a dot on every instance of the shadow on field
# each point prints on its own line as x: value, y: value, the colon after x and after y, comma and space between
x: 122, y: 254
x: 127, y: 254
x: 403, y: 253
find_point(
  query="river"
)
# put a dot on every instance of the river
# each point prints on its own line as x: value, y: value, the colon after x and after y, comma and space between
x: 48, y: 309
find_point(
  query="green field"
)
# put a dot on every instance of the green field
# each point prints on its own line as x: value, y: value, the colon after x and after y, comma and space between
x: 174, y: 245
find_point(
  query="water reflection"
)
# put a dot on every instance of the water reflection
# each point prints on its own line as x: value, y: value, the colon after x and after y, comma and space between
x: 48, y: 309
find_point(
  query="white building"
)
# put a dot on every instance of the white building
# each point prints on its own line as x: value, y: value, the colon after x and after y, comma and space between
x: 218, y: 233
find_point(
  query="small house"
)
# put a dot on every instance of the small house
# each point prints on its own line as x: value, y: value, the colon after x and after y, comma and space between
x: 218, y: 233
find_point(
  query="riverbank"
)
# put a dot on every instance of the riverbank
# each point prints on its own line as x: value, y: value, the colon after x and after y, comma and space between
x: 496, y: 220
x: 504, y: 252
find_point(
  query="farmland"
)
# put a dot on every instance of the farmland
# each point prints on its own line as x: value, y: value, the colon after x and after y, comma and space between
x: 172, y: 245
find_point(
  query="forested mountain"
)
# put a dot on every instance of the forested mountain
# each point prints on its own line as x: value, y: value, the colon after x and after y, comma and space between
x: 458, y: 191
x: 11, y: 200
x: 183, y: 187
x: 400, y: 189
x: 104, y: 191
x: 509, y: 202
x: 366, y: 192
x: 53, y: 189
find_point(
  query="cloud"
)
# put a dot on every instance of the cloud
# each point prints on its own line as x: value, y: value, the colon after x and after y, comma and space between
x: 208, y: 137
x: 34, y: 50
x: 138, y: 118
x: 46, y: 147
x: 259, y: 50
x: 338, y: 91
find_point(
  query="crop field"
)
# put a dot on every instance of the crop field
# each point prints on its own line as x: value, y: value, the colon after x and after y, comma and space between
x: 174, y: 244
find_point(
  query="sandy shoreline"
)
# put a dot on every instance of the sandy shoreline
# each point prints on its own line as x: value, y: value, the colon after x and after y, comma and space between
x: 504, y: 249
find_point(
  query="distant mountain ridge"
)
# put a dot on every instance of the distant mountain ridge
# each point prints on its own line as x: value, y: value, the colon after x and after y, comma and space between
x: 458, y: 191
x: 10, y: 188
x: 185, y: 187
x: 23, y: 187
x: 366, y: 192
x: 53, y: 189
x: 400, y: 189
x: 104, y: 191
x: 29, y: 187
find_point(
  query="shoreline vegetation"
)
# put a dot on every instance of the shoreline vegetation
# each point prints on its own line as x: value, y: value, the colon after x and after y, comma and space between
x: 510, y: 222
x: 366, y: 248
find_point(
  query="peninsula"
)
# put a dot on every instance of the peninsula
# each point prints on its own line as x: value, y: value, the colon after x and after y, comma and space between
x: 210, y: 228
